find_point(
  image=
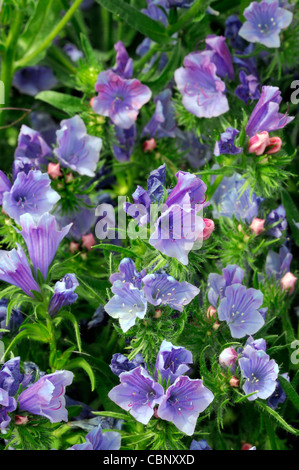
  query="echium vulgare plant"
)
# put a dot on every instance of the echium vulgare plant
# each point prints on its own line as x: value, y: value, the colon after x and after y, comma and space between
x: 149, y: 225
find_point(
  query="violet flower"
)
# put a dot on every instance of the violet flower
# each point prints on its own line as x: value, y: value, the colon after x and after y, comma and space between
x: 162, y: 124
x: 217, y: 284
x: 64, y: 294
x: 137, y: 393
x: 32, y: 146
x: 183, y: 402
x: 32, y: 80
x: 123, y: 150
x: 16, y: 318
x: 249, y: 88
x: 73, y: 52
x: 124, y: 65
x: 172, y: 361
x: 240, y: 309
x: 278, y: 396
x: 278, y: 264
x: 266, y: 116
x: 97, y: 440
x: 42, y: 240
x: 277, y: 217
x: 121, y: 363
x: 226, y: 145
x: 11, y: 377
x: 128, y: 273
x: 46, y: 396
x: 232, y: 28
x: 76, y: 149
x: 120, y: 99
x: 5, y: 185
x: 220, y: 56
x: 30, y: 193
x: 7, y: 405
x: 265, y: 20
x: 199, y: 445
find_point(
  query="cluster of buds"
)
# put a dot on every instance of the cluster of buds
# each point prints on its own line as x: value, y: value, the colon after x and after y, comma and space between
x: 262, y: 143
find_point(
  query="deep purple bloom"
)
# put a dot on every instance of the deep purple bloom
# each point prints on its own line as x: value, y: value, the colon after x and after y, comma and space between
x: 5, y: 185
x: 172, y: 361
x: 202, y: 90
x: 30, y: 193
x: 137, y: 393
x: 125, y: 143
x: 278, y: 396
x: 278, y: 264
x: 46, y: 396
x: 32, y: 80
x: 127, y: 304
x: 42, y: 240
x: 124, y: 65
x: 266, y: 116
x: 217, y: 284
x: 73, y: 52
x: 156, y: 183
x: 226, y: 145
x: 97, y: 440
x: 162, y: 124
x: 15, y: 270
x: 7, y: 405
x: 227, y: 200
x: 120, y: 99
x: 11, y: 377
x: 16, y: 318
x: 161, y: 289
x: 199, y: 445
x: 240, y: 309
x: 187, y: 185
x: 121, y: 363
x: 249, y: 88
x: 31, y: 145
x: 64, y: 294
x: 76, y: 149
x: 82, y: 218
x: 183, y: 402
x: 260, y: 373
x: 128, y: 273
x: 232, y: 28
x: 220, y: 56
x: 265, y: 20
x: 25, y: 165
x: 277, y: 217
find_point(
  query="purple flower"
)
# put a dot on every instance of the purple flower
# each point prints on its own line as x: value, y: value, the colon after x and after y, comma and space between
x: 44, y: 124
x: 258, y: 344
x: 16, y: 318
x: 199, y: 445
x: 240, y: 309
x: 220, y: 56
x: 266, y: 116
x: 249, y: 88
x: 162, y: 124
x: 124, y: 65
x: 125, y: 143
x: 265, y: 20
x: 127, y: 304
x: 226, y: 145
x: 97, y: 440
x: 161, y: 289
x: 183, y: 402
x: 202, y: 90
x: 11, y: 378
x: 15, y: 270
x: 278, y: 396
x: 64, y: 294
x: 232, y: 28
x: 260, y: 373
x: 30, y: 193
x: 32, y: 80
x: 42, y: 240
x: 172, y: 361
x: 187, y: 185
x: 278, y: 264
x: 179, y: 3
x: 137, y: 393
x: 195, y: 152
x: 128, y: 273
x: 76, y: 149
x: 73, y: 52
x: 25, y: 165
x: 5, y: 185
x: 7, y: 405
x: 82, y: 218
x: 120, y: 99
x: 217, y: 284
x: 156, y: 183
x: 277, y: 217
x: 46, y: 396
x: 32, y: 146
x: 121, y: 363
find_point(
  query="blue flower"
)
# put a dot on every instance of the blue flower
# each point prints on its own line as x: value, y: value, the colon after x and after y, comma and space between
x: 124, y: 65
x: 5, y: 185
x: 199, y: 445
x: 73, y: 52
x: 7, y: 405
x: 128, y: 273
x: 278, y: 396
x: 217, y: 284
x: 277, y: 219
x: 32, y: 146
x: 162, y: 124
x: 240, y: 309
x: 226, y: 145
x: 11, y: 377
x: 32, y: 80
x: 172, y: 361
x: 278, y: 264
x: 125, y: 143
x: 249, y: 88
x: 232, y: 28
x: 121, y: 363
x: 265, y: 20
x: 64, y: 294
x: 16, y: 318
x: 97, y: 440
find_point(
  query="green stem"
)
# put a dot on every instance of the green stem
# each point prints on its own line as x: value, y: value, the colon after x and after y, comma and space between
x: 190, y: 15
x: 139, y: 64
x: 49, y: 39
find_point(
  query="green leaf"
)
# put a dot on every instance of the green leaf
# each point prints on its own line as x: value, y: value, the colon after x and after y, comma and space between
x: 67, y: 103
x: 69, y: 316
x: 277, y: 418
x: 119, y: 249
x: 83, y: 364
x: 137, y: 20
x: 111, y: 414
x: 290, y: 391
x: 34, y: 331
x: 292, y: 214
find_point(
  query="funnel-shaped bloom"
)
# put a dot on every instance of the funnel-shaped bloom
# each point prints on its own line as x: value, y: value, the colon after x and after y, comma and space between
x: 172, y: 361
x: 64, y: 294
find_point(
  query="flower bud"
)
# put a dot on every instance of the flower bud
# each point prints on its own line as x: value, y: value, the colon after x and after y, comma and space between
x: 74, y: 247
x: 275, y: 145
x: 234, y: 382
x: 228, y: 358
x: 288, y: 282
x: 54, y: 170
x: 209, y: 228
x: 211, y: 312
x: 149, y: 145
x: 88, y: 241
x: 19, y: 420
x: 258, y: 143
x: 257, y: 226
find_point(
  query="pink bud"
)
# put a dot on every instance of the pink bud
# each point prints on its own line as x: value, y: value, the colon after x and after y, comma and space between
x: 234, y: 382
x: 91, y: 101
x: 209, y: 228
x: 19, y: 420
x: 149, y: 145
x: 275, y: 145
x: 246, y: 447
x: 158, y: 313
x: 257, y: 225
x: 288, y: 282
x: 228, y: 357
x: 258, y: 143
x: 211, y: 312
x: 88, y: 241
x: 54, y: 170
x: 74, y: 247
